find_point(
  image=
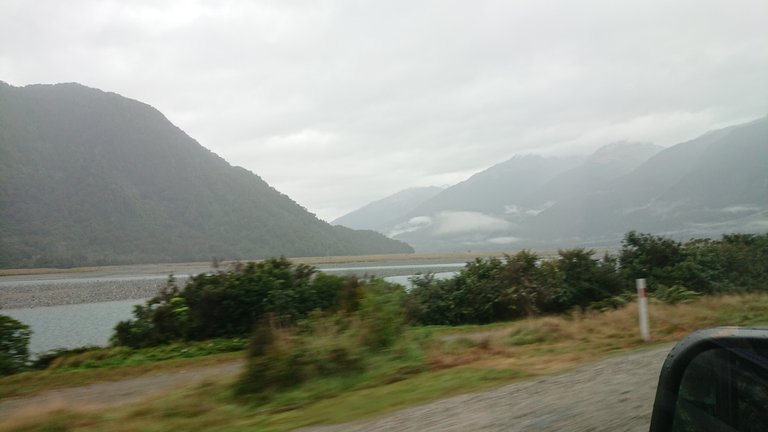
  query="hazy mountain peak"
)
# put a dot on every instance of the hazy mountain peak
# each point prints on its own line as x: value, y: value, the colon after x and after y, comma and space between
x: 618, y: 158
x: 619, y: 151
x: 715, y: 183
x: 379, y: 214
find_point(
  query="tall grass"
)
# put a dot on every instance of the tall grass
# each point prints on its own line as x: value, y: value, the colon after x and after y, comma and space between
x: 581, y: 336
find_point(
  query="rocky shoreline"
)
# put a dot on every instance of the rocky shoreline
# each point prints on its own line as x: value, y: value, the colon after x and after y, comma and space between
x: 30, y: 294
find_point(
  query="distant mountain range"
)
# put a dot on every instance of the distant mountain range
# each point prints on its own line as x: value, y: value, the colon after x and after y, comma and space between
x: 381, y: 214
x: 89, y: 177
x: 714, y: 184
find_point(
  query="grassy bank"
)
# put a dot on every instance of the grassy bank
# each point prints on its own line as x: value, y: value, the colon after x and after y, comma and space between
x: 73, y: 368
x: 431, y: 363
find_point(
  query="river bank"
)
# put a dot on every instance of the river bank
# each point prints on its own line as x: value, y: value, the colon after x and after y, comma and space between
x: 71, y: 309
x: 105, y: 284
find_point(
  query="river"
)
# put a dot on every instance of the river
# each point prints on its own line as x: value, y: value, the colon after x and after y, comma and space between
x: 91, y: 323
x: 74, y: 325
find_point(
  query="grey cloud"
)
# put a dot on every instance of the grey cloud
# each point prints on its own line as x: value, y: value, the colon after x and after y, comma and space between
x: 338, y: 103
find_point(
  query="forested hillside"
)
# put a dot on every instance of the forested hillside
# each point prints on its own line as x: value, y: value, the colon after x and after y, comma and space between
x: 89, y: 177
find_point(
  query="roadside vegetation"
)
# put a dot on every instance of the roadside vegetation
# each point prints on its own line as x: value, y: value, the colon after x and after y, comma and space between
x: 14, y: 341
x: 426, y: 363
x: 325, y: 348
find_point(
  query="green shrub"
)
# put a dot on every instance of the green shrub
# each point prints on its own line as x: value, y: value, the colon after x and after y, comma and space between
x: 97, y: 357
x: 229, y: 303
x: 43, y: 361
x: 282, y: 358
x: 381, y: 317
x: 615, y: 302
x: 494, y: 289
x: 14, y: 341
x: 325, y: 345
x: 585, y: 280
x: 484, y: 291
x: 527, y: 336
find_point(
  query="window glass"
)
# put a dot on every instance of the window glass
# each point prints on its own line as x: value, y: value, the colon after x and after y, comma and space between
x: 724, y: 390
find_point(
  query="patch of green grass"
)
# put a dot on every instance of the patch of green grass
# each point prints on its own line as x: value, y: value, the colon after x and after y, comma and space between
x: 441, y: 330
x: 99, y: 358
x: 26, y: 383
x: 749, y: 313
x: 527, y: 336
x: 68, y: 368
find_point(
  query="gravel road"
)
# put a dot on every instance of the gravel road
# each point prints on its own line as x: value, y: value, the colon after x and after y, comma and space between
x: 112, y: 393
x: 612, y: 395
x: 615, y: 394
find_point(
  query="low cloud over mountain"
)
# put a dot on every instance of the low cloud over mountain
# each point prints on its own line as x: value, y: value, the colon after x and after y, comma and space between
x: 704, y: 187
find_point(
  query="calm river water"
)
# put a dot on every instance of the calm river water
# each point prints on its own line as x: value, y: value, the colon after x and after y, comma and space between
x: 71, y: 326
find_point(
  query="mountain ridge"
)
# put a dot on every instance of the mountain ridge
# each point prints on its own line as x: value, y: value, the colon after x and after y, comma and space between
x: 378, y: 214
x: 90, y: 177
x: 713, y: 184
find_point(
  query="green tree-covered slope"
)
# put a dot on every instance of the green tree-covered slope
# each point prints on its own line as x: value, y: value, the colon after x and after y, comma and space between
x: 89, y: 177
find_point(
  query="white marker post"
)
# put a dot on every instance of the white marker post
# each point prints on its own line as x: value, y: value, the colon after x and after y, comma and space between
x: 642, y: 307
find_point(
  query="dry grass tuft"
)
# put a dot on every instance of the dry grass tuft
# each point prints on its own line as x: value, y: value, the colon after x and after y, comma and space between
x: 56, y: 416
x: 555, y: 343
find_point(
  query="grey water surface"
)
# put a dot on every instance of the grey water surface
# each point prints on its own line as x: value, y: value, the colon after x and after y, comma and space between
x: 73, y: 325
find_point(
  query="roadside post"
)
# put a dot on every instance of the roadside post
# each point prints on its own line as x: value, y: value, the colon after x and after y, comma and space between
x: 642, y: 308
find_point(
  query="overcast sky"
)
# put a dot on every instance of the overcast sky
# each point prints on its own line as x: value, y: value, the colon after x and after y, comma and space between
x: 338, y: 103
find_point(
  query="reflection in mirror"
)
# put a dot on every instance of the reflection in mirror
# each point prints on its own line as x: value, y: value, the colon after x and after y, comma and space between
x: 724, y: 389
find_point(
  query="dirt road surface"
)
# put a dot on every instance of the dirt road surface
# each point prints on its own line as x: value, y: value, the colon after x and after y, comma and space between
x: 112, y: 393
x: 612, y: 395
x: 615, y: 394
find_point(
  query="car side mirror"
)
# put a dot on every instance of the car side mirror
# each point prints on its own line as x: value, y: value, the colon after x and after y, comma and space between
x: 714, y: 380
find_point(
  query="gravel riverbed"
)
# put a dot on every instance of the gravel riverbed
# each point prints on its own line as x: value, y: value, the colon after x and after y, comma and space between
x: 30, y: 294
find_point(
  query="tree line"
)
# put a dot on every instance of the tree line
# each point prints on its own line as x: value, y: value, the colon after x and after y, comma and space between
x: 277, y: 294
x: 229, y: 303
x: 524, y: 284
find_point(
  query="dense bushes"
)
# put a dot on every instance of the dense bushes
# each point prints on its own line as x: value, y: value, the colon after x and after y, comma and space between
x: 14, y: 341
x: 228, y: 303
x: 95, y: 357
x: 303, y: 324
x: 737, y: 262
x: 494, y: 289
x: 486, y: 290
x: 324, y: 344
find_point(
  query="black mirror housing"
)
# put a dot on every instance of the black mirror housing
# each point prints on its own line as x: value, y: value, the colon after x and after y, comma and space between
x: 714, y: 380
